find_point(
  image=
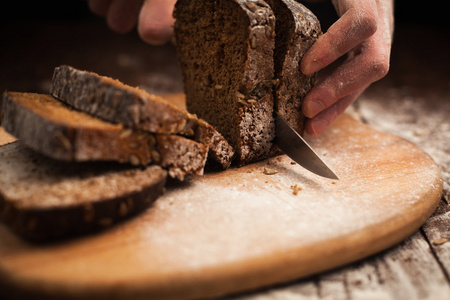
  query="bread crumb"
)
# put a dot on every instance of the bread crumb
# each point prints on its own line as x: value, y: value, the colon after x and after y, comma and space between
x: 296, y: 189
x: 439, y: 241
x: 274, y: 160
x: 293, y: 162
x: 134, y: 159
x: 269, y: 171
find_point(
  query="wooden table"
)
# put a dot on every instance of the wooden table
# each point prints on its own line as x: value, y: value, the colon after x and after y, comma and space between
x: 412, y: 102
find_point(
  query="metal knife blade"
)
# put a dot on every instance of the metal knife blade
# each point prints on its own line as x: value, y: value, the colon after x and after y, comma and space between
x: 292, y: 144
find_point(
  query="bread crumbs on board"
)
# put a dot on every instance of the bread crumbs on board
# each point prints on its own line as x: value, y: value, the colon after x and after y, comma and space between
x: 269, y: 171
x: 439, y: 241
x: 296, y: 189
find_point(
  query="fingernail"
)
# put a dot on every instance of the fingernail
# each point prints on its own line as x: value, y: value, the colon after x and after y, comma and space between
x: 318, y: 126
x: 312, y: 67
x: 312, y: 108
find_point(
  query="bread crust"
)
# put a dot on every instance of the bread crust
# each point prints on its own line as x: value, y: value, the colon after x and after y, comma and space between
x: 43, y: 199
x: 113, y: 101
x: 291, y: 45
x: 55, y: 130
x: 116, y: 102
x: 247, y: 102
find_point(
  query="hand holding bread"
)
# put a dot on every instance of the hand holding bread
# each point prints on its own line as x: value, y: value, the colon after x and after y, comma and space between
x: 363, y: 32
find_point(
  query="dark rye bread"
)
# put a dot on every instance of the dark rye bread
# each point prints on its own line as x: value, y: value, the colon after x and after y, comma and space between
x: 230, y: 58
x: 42, y: 198
x: 225, y: 49
x: 297, y: 29
x: 116, y: 102
x: 55, y: 130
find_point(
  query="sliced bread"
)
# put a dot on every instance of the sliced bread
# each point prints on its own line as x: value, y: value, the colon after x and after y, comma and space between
x: 225, y: 49
x: 55, y: 130
x: 42, y: 198
x: 297, y: 29
x: 116, y: 102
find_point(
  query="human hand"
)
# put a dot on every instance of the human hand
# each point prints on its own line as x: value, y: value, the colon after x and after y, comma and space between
x: 364, y: 32
x: 153, y: 17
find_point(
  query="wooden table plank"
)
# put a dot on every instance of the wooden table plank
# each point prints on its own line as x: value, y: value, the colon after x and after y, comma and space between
x: 437, y: 231
x: 407, y: 271
x: 411, y: 271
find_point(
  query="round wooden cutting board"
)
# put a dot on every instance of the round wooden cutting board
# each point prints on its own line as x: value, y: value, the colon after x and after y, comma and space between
x: 243, y: 228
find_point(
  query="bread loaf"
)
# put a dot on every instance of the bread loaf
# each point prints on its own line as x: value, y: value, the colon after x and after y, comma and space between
x: 237, y: 71
x: 116, y: 102
x: 42, y: 198
x: 225, y: 49
x: 55, y: 130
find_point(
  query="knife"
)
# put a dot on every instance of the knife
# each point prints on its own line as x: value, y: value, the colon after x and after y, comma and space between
x: 292, y: 144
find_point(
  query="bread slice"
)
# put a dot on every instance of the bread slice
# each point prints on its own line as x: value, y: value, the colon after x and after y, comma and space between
x: 5, y: 138
x: 297, y: 29
x: 113, y: 101
x: 225, y: 49
x: 55, y: 130
x: 42, y: 198
x: 116, y: 102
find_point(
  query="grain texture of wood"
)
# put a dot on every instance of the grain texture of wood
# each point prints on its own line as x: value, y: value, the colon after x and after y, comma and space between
x: 437, y: 232
x: 407, y: 271
x: 255, y: 231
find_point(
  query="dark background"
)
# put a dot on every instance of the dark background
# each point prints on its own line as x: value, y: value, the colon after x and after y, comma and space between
x: 431, y: 12
x: 36, y: 36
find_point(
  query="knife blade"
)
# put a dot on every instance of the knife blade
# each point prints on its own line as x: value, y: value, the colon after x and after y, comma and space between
x: 293, y: 145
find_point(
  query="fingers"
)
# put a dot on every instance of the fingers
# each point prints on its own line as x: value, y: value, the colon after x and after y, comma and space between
x: 153, y: 17
x: 99, y: 7
x: 334, y: 94
x: 156, y: 21
x: 358, y: 21
x: 121, y: 15
x: 370, y: 63
x: 367, y: 62
x: 320, y: 122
